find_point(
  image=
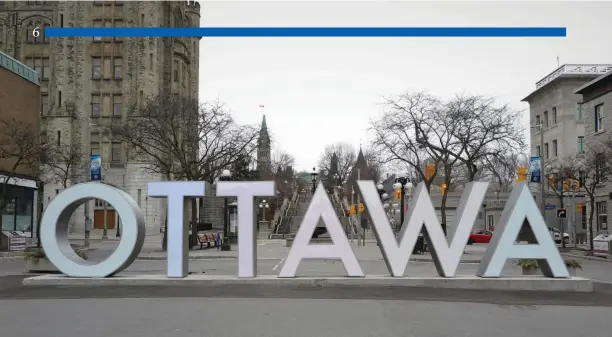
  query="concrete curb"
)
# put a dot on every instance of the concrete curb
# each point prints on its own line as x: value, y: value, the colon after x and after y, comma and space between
x: 593, y: 258
x: 534, y: 283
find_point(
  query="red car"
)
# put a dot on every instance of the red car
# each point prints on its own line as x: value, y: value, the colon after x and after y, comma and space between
x: 480, y: 236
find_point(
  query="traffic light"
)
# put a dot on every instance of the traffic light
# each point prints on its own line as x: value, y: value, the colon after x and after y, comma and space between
x: 551, y: 181
x: 579, y: 208
x: 443, y: 187
x: 561, y: 213
x: 567, y: 185
x: 522, y: 174
x: 430, y: 171
x: 398, y: 194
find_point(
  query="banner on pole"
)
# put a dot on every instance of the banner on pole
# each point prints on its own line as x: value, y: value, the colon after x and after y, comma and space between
x: 534, y: 167
x: 95, y: 167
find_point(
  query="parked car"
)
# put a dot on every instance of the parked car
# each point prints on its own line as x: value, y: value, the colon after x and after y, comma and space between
x: 556, y: 234
x: 480, y: 236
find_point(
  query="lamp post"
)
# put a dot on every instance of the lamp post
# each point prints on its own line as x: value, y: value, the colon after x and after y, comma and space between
x: 484, y: 207
x: 542, y: 174
x: 402, y: 183
x: 263, y: 206
x: 313, y: 176
x: 226, y: 175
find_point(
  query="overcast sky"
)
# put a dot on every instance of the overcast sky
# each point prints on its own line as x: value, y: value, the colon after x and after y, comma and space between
x: 318, y: 91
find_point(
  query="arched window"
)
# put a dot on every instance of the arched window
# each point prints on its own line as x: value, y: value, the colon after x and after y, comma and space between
x: 35, y: 31
x: 177, y: 18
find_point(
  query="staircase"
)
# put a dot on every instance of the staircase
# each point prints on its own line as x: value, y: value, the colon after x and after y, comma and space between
x: 292, y: 216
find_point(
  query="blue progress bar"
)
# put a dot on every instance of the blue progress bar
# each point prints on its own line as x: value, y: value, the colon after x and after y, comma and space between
x: 311, y: 32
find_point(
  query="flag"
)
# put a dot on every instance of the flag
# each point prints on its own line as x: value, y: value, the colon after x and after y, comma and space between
x: 261, y: 105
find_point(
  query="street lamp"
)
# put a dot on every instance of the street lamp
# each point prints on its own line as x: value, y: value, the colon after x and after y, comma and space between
x: 226, y: 175
x: 263, y: 206
x: 402, y: 183
x: 484, y: 207
x: 540, y: 127
x: 313, y: 176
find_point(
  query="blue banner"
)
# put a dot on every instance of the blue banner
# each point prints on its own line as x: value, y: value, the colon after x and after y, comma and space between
x: 535, y: 169
x: 95, y: 167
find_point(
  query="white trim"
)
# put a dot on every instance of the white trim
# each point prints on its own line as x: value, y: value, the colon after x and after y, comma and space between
x: 29, y: 183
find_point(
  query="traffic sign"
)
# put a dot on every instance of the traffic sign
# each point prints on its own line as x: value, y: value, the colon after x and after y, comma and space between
x: 361, y: 208
x: 353, y: 210
x: 561, y: 213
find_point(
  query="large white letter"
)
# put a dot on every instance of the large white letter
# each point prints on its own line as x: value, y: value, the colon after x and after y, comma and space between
x: 521, y: 206
x: 445, y: 257
x: 54, y: 231
x: 321, y: 208
x: 178, y: 225
x: 247, y: 241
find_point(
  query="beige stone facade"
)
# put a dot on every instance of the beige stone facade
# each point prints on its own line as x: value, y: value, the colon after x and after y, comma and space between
x: 597, y: 102
x: 87, y: 82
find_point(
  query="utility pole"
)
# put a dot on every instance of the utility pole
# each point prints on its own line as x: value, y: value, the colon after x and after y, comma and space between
x: 542, y: 169
x: 573, y: 205
x: 359, y: 213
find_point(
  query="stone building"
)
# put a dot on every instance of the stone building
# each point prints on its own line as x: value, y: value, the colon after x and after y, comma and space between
x: 264, y: 149
x: 597, y: 103
x: 19, y: 129
x: 558, y: 109
x: 87, y: 82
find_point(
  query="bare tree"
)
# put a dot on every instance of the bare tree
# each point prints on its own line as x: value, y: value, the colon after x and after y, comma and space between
x: 20, y: 154
x: 346, y: 159
x: 482, y: 129
x: 503, y: 168
x: 281, y: 160
x: 375, y: 163
x: 592, y: 169
x: 64, y: 163
x: 182, y: 140
x: 395, y: 133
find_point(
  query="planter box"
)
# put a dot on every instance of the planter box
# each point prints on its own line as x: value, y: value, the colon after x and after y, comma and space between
x: 40, y: 266
x: 532, y: 271
x: 537, y: 272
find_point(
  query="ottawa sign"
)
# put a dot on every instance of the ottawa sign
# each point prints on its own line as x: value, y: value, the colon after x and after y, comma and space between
x: 446, y: 251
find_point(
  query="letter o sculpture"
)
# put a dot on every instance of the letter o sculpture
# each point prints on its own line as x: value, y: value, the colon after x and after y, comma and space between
x: 54, y: 231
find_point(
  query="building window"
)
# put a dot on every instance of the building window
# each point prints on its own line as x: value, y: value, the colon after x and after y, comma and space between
x: 96, y: 68
x: 96, y: 103
x: 602, y: 215
x: 43, y: 138
x: 584, y: 217
x: 44, y: 104
x: 117, y: 105
x: 546, y: 152
x: 176, y: 71
x: 117, y: 67
x: 537, y: 120
x: 555, y: 148
x: 545, y: 119
x: 116, y: 152
x: 59, y: 138
x: 97, y: 24
x: 599, y: 118
x: 554, y: 115
x: 95, y: 144
x: 580, y: 144
x: 579, y: 112
x: 538, y: 151
x: 151, y: 61
x: 40, y: 65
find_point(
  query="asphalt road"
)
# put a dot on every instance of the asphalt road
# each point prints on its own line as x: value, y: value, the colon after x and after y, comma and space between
x: 265, y: 311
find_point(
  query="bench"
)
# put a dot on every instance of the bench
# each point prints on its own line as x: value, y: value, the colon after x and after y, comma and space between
x: 207, y: 239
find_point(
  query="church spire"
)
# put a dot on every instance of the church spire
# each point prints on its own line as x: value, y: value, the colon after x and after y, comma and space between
x: 264, y: 162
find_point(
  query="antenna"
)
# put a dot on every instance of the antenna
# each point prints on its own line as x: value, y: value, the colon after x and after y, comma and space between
x: 558, y: 63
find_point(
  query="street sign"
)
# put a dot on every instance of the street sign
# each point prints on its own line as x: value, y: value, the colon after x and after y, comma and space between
x: 361, y: 208
x: 353, y: 210
x: 550, y: 207
x: 561, y: 213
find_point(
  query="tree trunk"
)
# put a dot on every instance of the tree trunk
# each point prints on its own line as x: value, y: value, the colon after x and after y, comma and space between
x: 592, y: 207
x: 443, y: 212
x: 194, y: 221
x: 165, y: 235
